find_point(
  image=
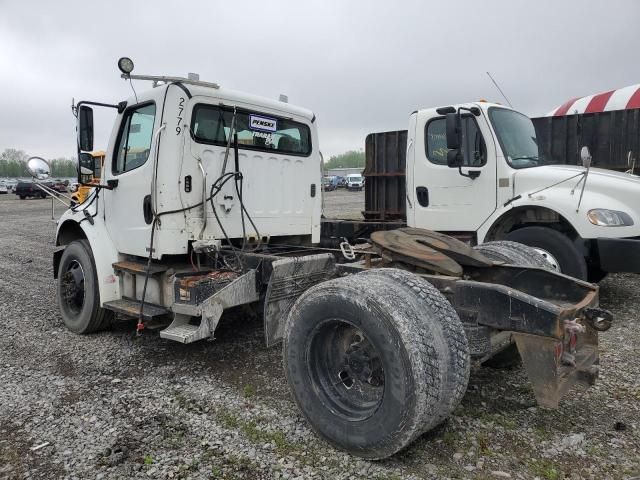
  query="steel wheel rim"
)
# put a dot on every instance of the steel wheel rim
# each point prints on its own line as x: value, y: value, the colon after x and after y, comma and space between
x: 345, y: 370
x: 73, y: 287
x: 551, y: 260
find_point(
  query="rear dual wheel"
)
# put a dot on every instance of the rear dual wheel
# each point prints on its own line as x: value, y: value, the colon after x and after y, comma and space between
x: 375, y: 359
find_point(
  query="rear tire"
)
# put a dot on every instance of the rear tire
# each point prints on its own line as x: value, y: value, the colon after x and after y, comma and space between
x: 369, y: 363
x: 436, y: 311
x: 570, y: 261
x: 22, y: 197
x: 77, y: 290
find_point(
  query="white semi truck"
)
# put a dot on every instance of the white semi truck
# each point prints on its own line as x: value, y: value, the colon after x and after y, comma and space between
x: 585, y: 221
x: 211, y: 199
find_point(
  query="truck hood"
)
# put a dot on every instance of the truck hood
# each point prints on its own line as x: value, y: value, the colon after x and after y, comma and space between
x: 553, y: 186
x: 531, y: 179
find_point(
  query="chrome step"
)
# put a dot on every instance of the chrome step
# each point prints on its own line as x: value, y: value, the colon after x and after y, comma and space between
x: 184, y: 333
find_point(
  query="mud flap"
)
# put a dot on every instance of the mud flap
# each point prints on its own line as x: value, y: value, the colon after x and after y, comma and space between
x: 290, y: 277
x: 551, y: 375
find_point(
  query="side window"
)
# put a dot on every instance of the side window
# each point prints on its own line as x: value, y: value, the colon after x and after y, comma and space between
x: 473, y: 147
x: 134, y: 139
x: 436, y: 140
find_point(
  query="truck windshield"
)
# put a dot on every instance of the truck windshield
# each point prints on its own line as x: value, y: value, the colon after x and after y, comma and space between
x: 517, y: 137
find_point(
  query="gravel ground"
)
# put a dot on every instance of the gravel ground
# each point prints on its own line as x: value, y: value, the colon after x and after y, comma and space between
x: 343, y: 204
x: 112, y: 405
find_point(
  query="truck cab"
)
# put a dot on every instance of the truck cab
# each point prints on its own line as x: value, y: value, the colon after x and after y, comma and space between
x: 170, y: 179
x: 586, y: 221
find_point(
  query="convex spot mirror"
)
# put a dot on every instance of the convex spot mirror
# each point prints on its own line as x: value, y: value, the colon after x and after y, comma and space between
x: 38, y: 168
x: 585, y: 156
x: 86, y: 164
x: 85, y: 128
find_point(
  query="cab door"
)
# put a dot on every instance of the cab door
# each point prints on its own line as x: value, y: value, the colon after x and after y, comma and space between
x: 130, y: 170
x: 443, y: 199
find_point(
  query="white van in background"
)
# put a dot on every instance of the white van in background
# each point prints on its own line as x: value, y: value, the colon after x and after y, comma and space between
x: 355, y: 181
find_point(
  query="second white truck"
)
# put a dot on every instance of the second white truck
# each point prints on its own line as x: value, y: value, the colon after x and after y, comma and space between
x: 474, y: 171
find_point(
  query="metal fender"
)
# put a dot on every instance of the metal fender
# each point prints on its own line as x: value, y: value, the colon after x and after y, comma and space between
x: 103, y: 251
x: 501, y: 213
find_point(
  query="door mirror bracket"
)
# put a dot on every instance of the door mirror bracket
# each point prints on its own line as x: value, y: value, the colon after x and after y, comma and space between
x: 455, y: 160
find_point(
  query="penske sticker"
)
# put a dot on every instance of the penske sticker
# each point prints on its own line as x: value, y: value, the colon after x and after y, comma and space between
x: 263, y: 124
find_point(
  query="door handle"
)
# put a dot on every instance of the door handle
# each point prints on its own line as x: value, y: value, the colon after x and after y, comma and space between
x: 422, y: 195
x: 146, y: 209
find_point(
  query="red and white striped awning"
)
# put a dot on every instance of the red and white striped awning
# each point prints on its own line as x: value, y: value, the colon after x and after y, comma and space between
x: 621, y: 99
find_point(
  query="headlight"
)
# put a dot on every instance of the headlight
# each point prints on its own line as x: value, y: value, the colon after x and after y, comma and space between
x: 609, y: 218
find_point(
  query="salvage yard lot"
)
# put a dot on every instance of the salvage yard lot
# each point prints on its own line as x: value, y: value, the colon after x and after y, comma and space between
x: 113, y: 405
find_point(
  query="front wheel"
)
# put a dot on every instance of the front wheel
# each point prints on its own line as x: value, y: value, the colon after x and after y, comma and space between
x: 77, y: 290
x: 556, y: 247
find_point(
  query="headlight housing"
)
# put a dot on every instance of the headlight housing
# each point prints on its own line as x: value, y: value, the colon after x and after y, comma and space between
x: 609, y: 218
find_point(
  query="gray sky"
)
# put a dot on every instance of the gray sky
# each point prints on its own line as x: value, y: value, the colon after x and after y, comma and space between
x: 361, y: 66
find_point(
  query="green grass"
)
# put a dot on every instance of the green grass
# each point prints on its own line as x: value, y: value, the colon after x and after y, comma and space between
x: 547, y: 470
x: 256, y: 435
x: 227, y: 418
x: 249, y: 391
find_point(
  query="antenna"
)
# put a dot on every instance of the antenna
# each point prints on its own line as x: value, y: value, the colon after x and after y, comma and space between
x: 500, y: 90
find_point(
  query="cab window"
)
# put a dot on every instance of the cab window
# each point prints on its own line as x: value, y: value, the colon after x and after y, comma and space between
x: 134, y: 139
x: 256, y: 131
x: 474, y: 150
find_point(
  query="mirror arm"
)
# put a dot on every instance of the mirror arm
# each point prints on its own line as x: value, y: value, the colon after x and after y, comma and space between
x: 99, y: 186
x: 53, y: 193
x: 475, y: 111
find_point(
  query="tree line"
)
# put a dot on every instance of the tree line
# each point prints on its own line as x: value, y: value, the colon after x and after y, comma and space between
x: 350, y: 159
x: 13, y: 163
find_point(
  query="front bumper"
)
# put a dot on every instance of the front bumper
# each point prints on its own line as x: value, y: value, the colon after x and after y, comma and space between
x: 619, y: 254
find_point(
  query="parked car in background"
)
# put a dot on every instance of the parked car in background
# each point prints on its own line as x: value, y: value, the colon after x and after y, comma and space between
x: 329, y: 183
x: 355, y: 181
x: 28, y: 189
x: 3, y: 188
x: 342, y: 182
x: 60, y: 185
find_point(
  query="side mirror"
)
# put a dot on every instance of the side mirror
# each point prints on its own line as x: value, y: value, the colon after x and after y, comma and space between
x: 454, y: 131
x: 585, y: 156
x: 38, y: 168
x: 85, y: 128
